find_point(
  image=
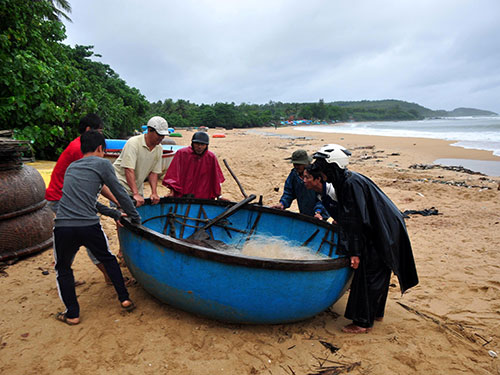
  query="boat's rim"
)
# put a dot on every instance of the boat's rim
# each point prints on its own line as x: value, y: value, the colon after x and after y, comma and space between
x: 242, y: 260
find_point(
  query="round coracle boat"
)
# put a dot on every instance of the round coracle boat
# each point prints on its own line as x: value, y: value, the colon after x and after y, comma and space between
x: 188, y: 253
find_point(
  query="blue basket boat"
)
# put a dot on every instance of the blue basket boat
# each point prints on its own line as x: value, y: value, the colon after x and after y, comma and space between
x: 191, y: 275
x: 115, y: 146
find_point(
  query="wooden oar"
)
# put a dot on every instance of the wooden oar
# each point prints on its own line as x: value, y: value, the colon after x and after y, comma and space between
x: 235, y: 178
x: 200, y: 234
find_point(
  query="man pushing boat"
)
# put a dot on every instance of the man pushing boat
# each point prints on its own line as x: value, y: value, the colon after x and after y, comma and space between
x: 373, y: 233
x: 77, y: 223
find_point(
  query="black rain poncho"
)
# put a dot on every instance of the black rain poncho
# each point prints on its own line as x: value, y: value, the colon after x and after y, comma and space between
x: 371, y: 227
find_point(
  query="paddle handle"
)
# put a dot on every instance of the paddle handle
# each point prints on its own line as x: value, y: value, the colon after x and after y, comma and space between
x: 235, y: 178
x: 227, y: 213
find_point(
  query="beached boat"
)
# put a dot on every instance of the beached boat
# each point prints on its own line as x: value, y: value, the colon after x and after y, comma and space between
x: 169, y: 258
x: 114, y: 148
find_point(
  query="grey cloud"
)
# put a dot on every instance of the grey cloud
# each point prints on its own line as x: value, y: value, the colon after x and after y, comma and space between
x: 439, y: 54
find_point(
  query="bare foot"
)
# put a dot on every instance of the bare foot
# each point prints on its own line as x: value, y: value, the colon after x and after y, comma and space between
x: 353, y: 328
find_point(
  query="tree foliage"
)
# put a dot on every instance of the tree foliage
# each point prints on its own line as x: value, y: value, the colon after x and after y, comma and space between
x: 47, y: 86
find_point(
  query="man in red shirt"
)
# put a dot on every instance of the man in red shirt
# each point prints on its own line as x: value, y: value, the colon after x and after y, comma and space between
x: 195, y: 171
x: 72, y: 153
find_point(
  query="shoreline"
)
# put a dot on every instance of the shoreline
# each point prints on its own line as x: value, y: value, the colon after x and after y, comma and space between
x: 433, y: 147
x: 428, y: 150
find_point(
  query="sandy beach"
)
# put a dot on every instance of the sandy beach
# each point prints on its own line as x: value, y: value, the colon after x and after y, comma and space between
x: 448, y: 324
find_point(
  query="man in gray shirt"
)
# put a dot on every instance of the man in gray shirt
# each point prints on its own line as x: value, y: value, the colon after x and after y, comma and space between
x: 77, y: 223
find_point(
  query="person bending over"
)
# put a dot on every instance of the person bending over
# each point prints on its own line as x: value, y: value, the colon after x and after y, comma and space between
x: 325, y: 191
x: 77, y: 223
x: 307, y: 200
x: 373, y: 233
x: 70, y: 154
x: 140, y: 159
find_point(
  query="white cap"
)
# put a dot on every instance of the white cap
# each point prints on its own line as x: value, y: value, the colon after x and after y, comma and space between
x: 159, y: 124
x: 333, y: 153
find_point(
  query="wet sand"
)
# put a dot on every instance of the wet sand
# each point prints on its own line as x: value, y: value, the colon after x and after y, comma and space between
x: 447, y: 324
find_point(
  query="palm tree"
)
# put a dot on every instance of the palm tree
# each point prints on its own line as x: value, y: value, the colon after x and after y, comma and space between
x: 59, y: 9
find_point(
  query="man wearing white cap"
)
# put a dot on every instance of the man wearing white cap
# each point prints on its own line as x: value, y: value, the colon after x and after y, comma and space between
x: 140, y: 159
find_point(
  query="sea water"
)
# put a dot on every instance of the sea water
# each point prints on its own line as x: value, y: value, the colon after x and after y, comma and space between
x: 481, y: 133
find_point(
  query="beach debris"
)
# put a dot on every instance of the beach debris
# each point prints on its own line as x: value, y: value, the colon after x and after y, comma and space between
x: 453, y: 327
x: 364, y: 147
x: 449, y: 168
x: 492, y: 354
x: 420, y: 194
x: 329, y: 346
x: 453, y: 183
x: 425, y: 212
x: 336, y: 369
x: 3, y: 267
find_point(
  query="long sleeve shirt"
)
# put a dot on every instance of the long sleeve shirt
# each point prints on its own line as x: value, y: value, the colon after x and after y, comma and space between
x: 307, y: 200
x: 83, y: 182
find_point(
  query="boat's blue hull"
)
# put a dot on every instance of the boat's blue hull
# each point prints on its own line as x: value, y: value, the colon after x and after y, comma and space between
x: 233, y: 288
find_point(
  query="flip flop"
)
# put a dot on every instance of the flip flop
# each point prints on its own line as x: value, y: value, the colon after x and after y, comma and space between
x: 129, y: 281
x: 121, y: 261
x: 128, y: 307
x: 79, y: 282
x: 61, y: 317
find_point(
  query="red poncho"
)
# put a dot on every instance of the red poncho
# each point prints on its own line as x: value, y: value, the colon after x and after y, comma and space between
x: 68, y: 156
x: 190, y: 173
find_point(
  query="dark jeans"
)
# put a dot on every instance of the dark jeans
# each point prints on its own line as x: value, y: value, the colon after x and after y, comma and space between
x: 67, y: 242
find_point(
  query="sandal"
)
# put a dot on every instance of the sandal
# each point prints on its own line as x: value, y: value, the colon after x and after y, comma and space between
x: 128, y: 307
x: 121, y: 261
x: 61, y: 317
x: 79, y: 282
x: 129, y: 281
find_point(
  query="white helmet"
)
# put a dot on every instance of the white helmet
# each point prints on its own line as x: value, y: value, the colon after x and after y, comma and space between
x: 333, y: 153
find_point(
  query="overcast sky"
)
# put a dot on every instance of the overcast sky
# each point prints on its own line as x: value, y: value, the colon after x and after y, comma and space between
x: 441, y: 54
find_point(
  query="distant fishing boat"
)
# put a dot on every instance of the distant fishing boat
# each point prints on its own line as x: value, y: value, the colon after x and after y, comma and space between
x: 179, y: 256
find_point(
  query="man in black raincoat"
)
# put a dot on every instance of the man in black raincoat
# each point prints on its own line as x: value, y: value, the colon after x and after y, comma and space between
x: 373, y: 233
